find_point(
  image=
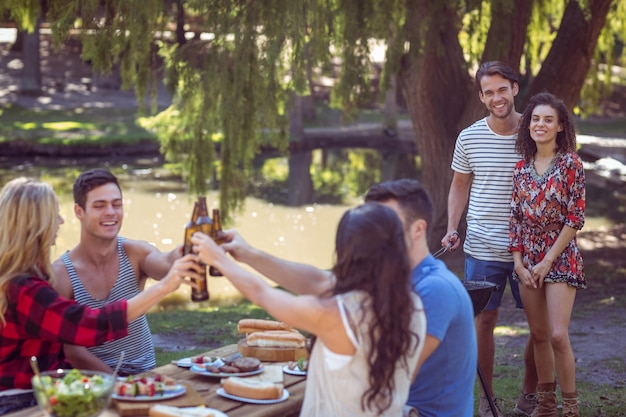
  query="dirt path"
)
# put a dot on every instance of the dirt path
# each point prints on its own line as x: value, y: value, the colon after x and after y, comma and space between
x: 597, y: 330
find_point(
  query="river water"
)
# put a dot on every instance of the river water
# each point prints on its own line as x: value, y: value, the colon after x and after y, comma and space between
x: 156, y: 210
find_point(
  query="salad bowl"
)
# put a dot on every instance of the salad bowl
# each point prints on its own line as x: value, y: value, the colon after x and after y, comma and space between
x: 73, y: 392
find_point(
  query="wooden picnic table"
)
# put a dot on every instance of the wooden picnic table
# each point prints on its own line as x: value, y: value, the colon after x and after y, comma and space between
x: 206, y: 387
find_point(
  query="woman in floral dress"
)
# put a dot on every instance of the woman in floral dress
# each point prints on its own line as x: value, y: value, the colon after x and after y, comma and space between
x: 547, y: 210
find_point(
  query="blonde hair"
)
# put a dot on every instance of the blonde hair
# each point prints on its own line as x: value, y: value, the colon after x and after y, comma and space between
x: 28, y: 227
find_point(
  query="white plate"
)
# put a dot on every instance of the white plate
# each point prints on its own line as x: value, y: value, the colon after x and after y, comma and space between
x: 221, y: 392
x: 176, y: 391
x: 183, y: 363
x: 201, y: 370
x: 295, y: 371
x: 216, y: 413
x: 188, y: 362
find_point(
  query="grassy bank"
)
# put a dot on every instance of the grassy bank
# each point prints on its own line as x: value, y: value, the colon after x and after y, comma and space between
x: 121, y: 126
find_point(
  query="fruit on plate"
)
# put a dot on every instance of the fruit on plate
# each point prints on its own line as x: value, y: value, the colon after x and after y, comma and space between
x: 144, y: 385
x: 203, y: 359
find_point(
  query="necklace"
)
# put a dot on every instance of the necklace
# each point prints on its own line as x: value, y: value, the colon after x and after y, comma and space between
x: 543, y: 164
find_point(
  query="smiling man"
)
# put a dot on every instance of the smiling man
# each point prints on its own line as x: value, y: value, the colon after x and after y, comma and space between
x: 105, y: 267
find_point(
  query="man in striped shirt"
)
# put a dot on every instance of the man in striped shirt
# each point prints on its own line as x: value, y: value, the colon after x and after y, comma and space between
x: 105, y: 267
x: 483, y: 162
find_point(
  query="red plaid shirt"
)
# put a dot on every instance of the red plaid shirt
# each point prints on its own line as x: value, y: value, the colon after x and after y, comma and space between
x: 39, y: 321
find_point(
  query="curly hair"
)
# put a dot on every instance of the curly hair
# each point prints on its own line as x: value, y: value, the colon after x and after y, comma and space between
x: 29, y: 220
x: 89, y: 180
x: 372, y: 257
x: 565, y: 139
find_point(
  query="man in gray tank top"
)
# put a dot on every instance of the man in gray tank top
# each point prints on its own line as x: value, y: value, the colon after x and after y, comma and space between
x: 105, y: 267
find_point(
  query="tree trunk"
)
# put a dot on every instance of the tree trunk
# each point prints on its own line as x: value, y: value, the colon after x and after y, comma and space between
x: 430, y: 79
x: 300, y: 184
x: 18, y: 45
x: 30, y: 83
x: 565, y: 69
x: 180, y: 23
x: 389, y: 159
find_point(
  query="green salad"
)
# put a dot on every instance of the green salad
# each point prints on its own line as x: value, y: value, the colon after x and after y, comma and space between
x: 73, y: 394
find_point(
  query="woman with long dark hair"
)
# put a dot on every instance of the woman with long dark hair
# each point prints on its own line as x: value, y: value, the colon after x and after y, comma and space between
x: 370, y: 328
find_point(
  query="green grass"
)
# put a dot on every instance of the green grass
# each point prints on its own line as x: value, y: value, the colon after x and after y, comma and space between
x: 606, y: 128
x: 81, y: 126
x: 103, y: 126
x: 206, y: 328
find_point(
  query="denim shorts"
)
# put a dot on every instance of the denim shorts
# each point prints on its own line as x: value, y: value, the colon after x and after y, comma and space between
x: 496, y: 272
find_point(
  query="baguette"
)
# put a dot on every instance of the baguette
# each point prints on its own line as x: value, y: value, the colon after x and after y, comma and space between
x: 258, y: 325
x: 252, y: 388
x: 160, y: 410
x: 276, y: 338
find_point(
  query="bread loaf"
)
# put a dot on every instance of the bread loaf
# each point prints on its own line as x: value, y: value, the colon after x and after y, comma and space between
x: 160, y: 410
x: 276, y: 338
x: 258, y: 325
x: 252, y: 388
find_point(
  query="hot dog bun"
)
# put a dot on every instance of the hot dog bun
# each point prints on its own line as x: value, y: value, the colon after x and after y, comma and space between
x: 160, y: 410
x: 258, y: 325
x: 276, y: 338
x: 252, y: 388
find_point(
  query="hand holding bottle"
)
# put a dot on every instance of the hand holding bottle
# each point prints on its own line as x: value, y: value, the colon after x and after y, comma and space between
x: 208, y: 251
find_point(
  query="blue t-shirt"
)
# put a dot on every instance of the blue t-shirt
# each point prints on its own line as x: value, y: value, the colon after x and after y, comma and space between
x: 444, y: 386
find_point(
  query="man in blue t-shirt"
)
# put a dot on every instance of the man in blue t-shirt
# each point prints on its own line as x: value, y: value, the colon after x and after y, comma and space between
x: 444, y: 386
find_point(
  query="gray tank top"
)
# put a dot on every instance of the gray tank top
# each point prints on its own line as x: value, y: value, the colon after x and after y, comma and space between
x: 138, y: 346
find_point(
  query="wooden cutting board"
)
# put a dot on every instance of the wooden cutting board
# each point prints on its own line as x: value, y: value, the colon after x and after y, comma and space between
x: 267, y: 354
x: 191, y: 398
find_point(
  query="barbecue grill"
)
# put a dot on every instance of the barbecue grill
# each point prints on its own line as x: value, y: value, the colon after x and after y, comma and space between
x: 480, y: 292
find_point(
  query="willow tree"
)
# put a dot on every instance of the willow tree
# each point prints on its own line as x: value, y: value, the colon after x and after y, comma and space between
x: 233, y: 84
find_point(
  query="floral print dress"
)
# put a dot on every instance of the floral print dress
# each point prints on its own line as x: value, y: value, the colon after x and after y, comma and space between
x: 540, y: 206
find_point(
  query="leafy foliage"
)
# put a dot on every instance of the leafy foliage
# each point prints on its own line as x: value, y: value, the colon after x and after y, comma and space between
x: 233, y: 82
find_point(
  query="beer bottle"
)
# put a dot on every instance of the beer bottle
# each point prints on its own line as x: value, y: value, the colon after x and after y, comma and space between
x: 217, y: 237
x: 202, y: 224
x: 190, y: 229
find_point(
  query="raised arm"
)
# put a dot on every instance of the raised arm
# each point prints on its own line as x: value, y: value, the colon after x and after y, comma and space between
x: 150, y: 261
x: 317, y: 315
x: 186, y: 266
x: 296, y: 277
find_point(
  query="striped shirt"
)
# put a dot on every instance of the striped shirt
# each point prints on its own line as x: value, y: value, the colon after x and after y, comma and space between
x: 138, y: 346
x: 491, y: 158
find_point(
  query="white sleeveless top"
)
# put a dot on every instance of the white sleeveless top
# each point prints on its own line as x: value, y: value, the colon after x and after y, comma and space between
x: 336, y: 383
x: 138, y: 346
